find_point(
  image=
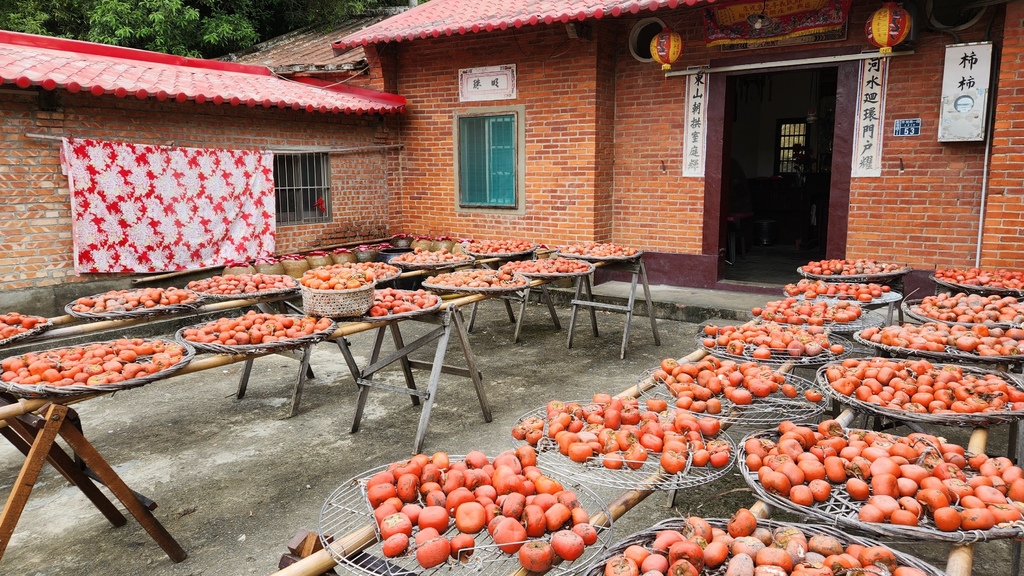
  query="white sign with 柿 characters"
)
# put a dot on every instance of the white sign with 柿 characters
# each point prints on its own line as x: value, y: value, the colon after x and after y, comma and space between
x: 966, y: 75
x: 487, y: 83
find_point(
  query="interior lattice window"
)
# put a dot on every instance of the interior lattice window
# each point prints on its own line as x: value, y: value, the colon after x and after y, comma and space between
x: 791, y: 142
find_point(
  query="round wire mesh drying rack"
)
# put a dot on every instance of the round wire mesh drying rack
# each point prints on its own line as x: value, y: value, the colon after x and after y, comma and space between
x: 841, y: 510
x: 951, y: 354
x: 589, y: 258
x: 45, y: 391
x: 349, y: 533
x: 908, y: 309
x: 992, y: 418
x: 867, y: 319
x: 777, y: 356
x: 768, y: 411
x: 648, y: 475
x: 889, y: 297
x: 261, y: 348
x: 28, y: 334
x: 972, y: 289
x: 856, y: 278
x: 646, y: 538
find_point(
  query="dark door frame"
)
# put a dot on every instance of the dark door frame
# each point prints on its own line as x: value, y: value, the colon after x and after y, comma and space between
x: 716, y: 164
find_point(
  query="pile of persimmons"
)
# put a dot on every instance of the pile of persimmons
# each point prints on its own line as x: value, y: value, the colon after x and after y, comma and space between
x: 700, y: 386
x: 13, y: 323
x: 970, y: 308
x: 811, y: 312
x: 255, y: 328
x: 387, y: 301
x: 746, y: 549
x: 918, y: 386
x: 1001, y: 278
x: 547, y: 266
x: 812, y: 289
x: 93, y: 364
x: 942, y: 338
x: 915, y: 480
x: 422, y: 257
x: 416, y: 502
x: 767, y: 339
x: 598, y: 250
x: 477, y: 278
x: 859, y: 267
x: 242, y: 284
x: 133, y: 300
x: 498, y: 247
x: 624, y: 434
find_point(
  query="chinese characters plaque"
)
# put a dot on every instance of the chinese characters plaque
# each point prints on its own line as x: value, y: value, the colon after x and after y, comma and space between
x: 693, y: 139
x: 867, y: 150
x: 487, y: 83
x: 965, y: 90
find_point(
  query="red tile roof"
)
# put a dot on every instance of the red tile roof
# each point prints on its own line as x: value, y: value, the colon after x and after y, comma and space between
x: 448, y: 17
x: 28, y: 60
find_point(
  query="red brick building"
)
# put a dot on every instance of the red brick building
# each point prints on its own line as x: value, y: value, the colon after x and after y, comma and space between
x: 52, y: 88
x: 592, y: 143
x: 602, y: 132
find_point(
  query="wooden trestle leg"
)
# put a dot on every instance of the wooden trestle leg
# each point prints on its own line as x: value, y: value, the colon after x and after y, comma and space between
x: 43, y: 448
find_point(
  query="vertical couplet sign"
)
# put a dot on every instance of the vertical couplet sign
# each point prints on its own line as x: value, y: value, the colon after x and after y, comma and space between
x: 867, y: 150
x: 693, y: 140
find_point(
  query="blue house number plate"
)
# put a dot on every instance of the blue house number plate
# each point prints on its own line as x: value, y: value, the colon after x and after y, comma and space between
x: 908, y: 127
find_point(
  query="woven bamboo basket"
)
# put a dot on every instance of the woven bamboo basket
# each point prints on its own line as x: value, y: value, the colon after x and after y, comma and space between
x: 337, y: 303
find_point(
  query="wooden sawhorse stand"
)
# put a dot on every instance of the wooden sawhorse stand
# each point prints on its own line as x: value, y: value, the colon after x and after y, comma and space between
x: 450, y: 321
x: 583, y: 287
x: 35, y: 436
x: 305, y: 373
x: 522, y: 297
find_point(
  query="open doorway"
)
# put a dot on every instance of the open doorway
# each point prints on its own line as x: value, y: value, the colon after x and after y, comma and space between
x: 778, y: 147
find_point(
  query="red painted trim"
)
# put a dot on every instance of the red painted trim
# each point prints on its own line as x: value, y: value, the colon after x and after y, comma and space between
x: 391, y: 100
x: 107, y: 51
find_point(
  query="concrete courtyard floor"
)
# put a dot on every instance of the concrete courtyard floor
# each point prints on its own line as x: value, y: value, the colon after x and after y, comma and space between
x: 235, y: 479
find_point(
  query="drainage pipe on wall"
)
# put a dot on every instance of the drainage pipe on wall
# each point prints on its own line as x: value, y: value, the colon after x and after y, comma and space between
x: 984, y: 171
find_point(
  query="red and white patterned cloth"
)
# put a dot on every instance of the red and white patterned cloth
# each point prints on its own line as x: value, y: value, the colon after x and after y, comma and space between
x: 138, y: 208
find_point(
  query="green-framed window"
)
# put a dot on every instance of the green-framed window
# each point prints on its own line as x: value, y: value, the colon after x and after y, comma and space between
x: 487, y: 150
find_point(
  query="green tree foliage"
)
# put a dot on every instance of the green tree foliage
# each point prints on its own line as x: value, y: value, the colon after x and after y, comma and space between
x: 202, y: 28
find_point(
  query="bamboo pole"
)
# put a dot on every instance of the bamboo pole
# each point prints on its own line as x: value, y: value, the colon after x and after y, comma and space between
x: 960, y: 561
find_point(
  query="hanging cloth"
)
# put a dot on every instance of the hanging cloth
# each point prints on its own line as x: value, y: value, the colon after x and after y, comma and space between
x: 145, y: 208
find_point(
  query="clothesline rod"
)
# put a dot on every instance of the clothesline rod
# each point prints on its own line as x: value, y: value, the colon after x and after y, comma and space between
x: 296, y: 150
x: 787, y: 63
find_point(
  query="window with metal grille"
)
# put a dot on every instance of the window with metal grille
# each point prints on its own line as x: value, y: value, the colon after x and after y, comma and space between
x: 302, y: 185
x: 487, y: 161
x: 790, y: 145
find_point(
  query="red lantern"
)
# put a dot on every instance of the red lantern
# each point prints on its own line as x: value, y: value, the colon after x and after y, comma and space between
x: 887, y: 27
x: 666, y: 48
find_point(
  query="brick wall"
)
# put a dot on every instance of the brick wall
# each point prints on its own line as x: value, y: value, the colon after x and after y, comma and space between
x: 558, y: 84
x: 926, y: 214
x: 35, y: 230
x: 1003, y: 232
